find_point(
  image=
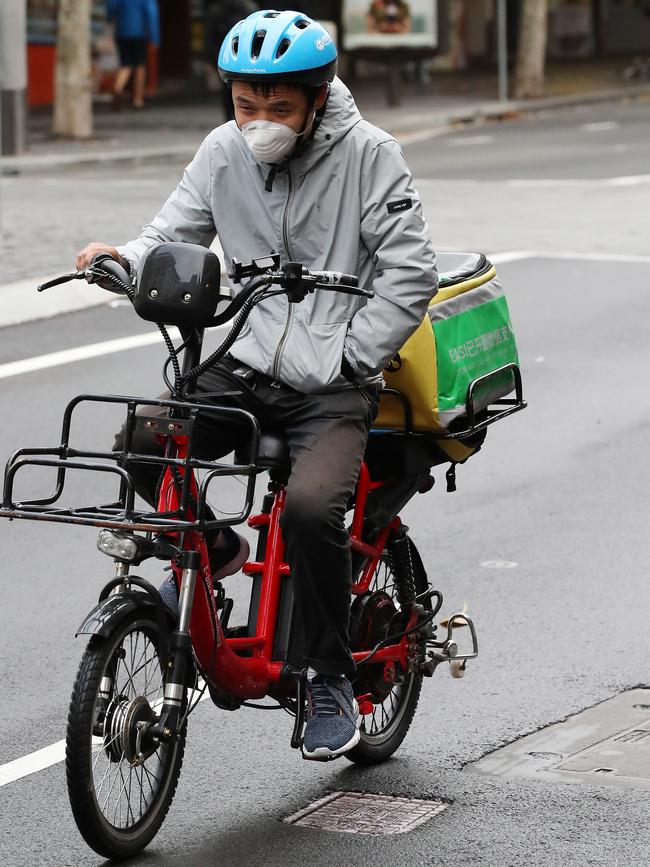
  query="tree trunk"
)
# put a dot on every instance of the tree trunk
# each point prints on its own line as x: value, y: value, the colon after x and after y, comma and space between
x: 531, y: 53
x: 73, y: 111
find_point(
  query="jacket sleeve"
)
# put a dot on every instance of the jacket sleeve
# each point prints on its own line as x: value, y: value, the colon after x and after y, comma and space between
x: 397, y: 237
x: 185, y: 216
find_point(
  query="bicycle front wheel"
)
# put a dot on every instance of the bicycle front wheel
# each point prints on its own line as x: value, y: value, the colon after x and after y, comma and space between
x: 120, y: 786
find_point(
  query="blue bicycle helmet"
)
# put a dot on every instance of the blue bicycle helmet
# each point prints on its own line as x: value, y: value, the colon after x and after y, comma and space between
x: 278, y: 46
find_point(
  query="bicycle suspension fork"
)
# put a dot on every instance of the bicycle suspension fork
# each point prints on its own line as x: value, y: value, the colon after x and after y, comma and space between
x: 180, y: 648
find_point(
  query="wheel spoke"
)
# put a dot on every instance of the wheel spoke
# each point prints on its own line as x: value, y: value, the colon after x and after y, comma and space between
x: 125, y: 792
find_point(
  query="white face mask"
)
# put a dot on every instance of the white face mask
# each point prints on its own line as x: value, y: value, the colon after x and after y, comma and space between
x: 269, y: 142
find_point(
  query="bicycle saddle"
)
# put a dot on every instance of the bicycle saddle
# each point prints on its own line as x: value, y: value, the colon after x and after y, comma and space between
x: 273, y: 452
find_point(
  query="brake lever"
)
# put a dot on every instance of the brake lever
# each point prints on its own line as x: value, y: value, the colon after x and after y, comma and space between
x: 346, y: 290
x: 65, y: 278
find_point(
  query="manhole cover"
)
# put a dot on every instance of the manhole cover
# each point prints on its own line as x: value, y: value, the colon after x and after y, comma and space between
x: 358, y: 813
x: 603, y: 745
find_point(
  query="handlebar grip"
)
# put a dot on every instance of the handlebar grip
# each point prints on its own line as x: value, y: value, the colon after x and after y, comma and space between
x: 336, y: 278
x: 102, y: 264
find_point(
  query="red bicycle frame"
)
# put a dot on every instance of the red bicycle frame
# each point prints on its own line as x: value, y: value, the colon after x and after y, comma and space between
x: 220, y: 657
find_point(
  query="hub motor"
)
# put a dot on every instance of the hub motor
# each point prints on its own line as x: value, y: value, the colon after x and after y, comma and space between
x: 373, y: 617
x: 125, y: 730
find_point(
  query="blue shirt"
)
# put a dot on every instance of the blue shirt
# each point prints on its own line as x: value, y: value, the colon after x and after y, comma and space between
x: 135, y: 19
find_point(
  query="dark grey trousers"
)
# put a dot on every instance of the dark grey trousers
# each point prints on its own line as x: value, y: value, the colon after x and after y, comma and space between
x: 327, y: 435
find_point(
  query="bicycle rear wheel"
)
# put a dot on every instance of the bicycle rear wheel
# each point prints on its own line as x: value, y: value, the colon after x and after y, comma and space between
x: 394, y: 694
x: 118, y: 800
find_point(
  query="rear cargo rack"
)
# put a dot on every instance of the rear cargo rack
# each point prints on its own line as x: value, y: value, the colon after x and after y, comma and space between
x: 477, y: 418
x: 193, y: 512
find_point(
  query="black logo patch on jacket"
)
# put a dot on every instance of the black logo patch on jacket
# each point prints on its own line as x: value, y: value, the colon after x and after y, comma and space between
x: 402, y: 205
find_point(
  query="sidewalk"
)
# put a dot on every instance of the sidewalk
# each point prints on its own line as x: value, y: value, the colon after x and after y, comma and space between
x: 173, y: 127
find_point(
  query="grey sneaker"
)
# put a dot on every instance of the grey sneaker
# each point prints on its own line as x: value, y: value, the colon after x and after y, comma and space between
x: 332, y: 718
x: 227, y: 559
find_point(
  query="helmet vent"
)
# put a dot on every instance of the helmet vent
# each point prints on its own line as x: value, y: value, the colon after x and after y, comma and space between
x: 282, y: 48
x: 235, y: 45
x: 271, y: 14
x: 258, y: 42
x: 302, y: 24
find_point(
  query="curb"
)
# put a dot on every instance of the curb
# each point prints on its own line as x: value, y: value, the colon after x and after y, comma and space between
x: 22, y: 305
x: 512, y: 108
x: 412, y: 124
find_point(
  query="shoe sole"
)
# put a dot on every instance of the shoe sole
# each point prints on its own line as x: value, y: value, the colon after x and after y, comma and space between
x: 325, y: 754
x: 236, y: 563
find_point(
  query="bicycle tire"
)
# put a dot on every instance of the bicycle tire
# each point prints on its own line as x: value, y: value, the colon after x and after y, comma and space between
x: 101, y: 834
x: 374, y: 748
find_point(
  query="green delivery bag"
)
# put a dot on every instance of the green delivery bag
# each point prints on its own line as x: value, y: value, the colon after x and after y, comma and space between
x: 466, y: 335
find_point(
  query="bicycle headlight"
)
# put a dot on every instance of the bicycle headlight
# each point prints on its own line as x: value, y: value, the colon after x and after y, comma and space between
x: 120, y: 546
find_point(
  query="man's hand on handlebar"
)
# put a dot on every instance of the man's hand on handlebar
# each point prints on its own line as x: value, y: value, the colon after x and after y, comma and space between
x: 85, y: 256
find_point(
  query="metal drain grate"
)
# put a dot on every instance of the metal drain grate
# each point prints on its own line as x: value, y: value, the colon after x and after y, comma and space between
x: 359, y: 813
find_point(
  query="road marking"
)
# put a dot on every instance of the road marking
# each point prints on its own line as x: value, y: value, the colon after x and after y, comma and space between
x: 470, y: 141
x: 630, y: 180
x: 595, y: 257
x: 518, y: 255
x: 79, y: 353
x: 622, y: 181
x: 136, y: 341
x: 408, y: 138
x: 42, y: 759
x: 32, y: 763
x: 499, y: 564
x: 602, y: 126
x: 114, y: 182
x: 510, y: 256
x: 542, y: 183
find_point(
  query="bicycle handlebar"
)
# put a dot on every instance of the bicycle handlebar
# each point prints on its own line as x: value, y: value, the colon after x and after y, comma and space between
x: 335, y: 278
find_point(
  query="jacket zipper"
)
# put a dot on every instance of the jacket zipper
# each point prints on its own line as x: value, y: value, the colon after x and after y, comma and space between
x: 285, y: 237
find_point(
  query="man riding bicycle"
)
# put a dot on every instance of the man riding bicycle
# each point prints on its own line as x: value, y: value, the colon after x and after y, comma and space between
x: 300, y: 172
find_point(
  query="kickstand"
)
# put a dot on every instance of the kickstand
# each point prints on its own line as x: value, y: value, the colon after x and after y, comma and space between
x: 301, y: 693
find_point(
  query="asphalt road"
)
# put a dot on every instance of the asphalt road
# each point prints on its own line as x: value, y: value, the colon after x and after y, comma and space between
x: 558, y: 496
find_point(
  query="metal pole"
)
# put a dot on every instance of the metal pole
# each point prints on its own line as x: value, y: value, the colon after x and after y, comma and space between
x: 502, y: 27
x: 13, y: 76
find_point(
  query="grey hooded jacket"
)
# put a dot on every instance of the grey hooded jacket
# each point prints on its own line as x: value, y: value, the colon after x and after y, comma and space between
x: 345, y: 203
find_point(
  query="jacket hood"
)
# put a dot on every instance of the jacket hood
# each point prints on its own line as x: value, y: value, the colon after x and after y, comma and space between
x: 341, y: 112
x: 341, y: 115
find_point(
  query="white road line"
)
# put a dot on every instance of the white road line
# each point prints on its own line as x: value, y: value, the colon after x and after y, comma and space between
x: 407, y: 138
x: 97, y: 181
x: 595, y: 257
x: 541, y: 183
x: 135, y: 341
x: 78, y: 353
x: 510, y: 256
x: 37, y: 761
x: 470, y: 141
x: 623, y: 181
x: 32, y: 763
x: 602, y: 126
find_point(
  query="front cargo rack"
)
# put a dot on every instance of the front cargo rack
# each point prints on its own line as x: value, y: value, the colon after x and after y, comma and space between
x: 193, y: 513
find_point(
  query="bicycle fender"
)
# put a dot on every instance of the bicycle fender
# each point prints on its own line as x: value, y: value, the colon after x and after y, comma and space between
x: 103, y: 617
